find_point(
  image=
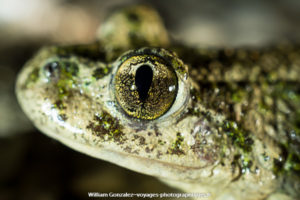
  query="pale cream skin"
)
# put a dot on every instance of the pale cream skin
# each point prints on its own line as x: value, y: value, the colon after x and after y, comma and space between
x: 186, y: 147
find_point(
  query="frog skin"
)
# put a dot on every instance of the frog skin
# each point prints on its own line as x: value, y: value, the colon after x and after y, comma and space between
x: 218, y: 121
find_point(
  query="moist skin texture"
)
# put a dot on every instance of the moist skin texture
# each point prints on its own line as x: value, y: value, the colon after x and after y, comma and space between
x: 233, y: 130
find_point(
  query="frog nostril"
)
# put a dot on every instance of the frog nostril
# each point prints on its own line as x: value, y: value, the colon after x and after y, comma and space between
x: 143, y: 80
x: 52, y: 69
x: 55, y: 70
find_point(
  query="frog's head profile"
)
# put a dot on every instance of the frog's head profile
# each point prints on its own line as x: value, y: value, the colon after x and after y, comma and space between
x: 137, y: 107
x: 134, y: 111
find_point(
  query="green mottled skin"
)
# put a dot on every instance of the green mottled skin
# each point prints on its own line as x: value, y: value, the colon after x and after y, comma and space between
x: 237, y: 132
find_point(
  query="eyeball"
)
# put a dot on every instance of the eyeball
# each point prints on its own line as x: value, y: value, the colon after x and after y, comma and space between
x: 146, y: 82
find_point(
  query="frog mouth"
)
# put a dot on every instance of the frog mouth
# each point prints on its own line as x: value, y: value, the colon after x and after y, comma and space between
x: 133, y: 162
x: 142, y: 165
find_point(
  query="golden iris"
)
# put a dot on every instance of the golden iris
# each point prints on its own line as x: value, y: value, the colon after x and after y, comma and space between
x: 145, y: 84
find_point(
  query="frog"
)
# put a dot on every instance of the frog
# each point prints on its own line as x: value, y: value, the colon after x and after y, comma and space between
x: 223, y: 123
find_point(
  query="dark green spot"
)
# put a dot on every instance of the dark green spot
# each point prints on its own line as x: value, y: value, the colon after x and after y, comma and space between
x: 59, y: 105
x: 289, y: 163
x: 33, y: 77
x: 62, y: 117
x: 161, y: 142
x: 65, y: 78
x: 176, y: 147
x: 238, y: 137
x: 238, y: 95
x: 195, y: 95
x: 106, y: 127
x: 292, y: 162
x: 101, y: 72
x: 60, y: 70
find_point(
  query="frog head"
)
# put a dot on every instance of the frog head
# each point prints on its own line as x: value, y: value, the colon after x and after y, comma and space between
x: 137, y: 107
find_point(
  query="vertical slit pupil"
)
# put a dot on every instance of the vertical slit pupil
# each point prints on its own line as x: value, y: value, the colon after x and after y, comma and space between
x: 143, y: 80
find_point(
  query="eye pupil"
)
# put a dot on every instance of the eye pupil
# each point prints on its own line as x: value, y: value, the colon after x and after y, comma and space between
x: 143, y: 80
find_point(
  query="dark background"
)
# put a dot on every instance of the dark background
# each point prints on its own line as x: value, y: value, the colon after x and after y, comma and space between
x: 33, y: 166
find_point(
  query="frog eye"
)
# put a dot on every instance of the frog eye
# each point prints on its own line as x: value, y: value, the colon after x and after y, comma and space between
x: 145, y: 84
x: 55, y: 70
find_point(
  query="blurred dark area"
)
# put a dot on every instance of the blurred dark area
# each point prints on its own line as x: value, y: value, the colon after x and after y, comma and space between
x: 33, y: 166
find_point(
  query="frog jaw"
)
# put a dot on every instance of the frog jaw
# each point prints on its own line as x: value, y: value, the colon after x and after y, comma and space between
x: 109, y: 152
